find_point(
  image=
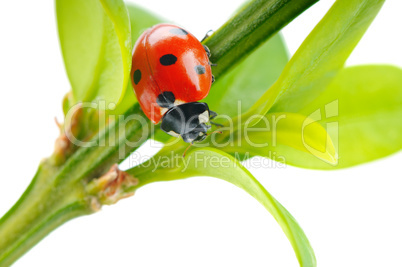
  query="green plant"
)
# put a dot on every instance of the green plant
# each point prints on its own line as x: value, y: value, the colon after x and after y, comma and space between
x: 77, y: 180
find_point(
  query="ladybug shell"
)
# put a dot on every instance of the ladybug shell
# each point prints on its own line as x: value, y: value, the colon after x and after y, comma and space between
x: 168, y: 58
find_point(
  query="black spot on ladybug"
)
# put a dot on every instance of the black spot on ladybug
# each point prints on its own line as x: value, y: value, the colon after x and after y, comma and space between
x: 166, y: 99
x: 178, y: 31
x: 168, y: 59
x: 199, y: 69
x: 137, y: 76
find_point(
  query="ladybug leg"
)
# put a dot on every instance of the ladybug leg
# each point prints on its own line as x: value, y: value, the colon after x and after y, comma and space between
x: 216, y: 124
x: 207, y: 50
x: 206, y: 35
x: 209, y: 55
x: 213, y: 78
x: 212, y: 115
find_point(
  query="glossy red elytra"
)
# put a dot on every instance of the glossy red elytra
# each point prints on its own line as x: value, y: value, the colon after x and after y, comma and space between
x: 171, y: 71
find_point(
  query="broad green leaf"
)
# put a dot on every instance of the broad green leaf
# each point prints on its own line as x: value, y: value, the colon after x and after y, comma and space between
x: 362, y: 111
x: 320, y: 57
x: 96, y: 45
x: 215, y: 163
x: 140, y: 20
x: 278, y: 130
x: 247, y: 81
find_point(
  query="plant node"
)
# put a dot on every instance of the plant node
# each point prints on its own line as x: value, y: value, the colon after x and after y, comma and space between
x: 111, y: 187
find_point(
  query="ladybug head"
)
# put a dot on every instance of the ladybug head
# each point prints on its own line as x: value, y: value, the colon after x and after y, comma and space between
x: 187, y: 120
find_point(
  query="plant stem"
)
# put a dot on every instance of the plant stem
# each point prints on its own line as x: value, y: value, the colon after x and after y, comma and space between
x: 42, y: 208
x: 255, y: 23
x: 58, y: 193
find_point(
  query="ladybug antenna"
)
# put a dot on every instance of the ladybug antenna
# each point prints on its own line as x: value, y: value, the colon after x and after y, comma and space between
x: 216, y: 124
x: 219, y: 132
x: 185, y: 151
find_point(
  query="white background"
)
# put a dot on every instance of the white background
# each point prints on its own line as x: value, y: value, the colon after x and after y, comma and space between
x: 352, y: 217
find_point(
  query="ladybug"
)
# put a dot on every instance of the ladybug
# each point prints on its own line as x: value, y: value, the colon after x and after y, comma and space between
x: 170, y: 72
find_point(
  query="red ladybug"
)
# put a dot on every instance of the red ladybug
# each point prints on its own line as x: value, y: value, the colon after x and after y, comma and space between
x: 170, y: 72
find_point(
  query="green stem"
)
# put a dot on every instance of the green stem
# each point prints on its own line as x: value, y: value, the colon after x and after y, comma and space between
x: 58, y: 193
x: 255, y: 23
x: 43, y: 207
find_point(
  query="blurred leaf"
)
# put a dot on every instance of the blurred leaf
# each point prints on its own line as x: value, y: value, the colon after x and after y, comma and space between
x: 215, y: 163
x: 96, y: 45
x: 320, y: 57
x: 140, y: 20
x: 276, y: 130
x: 362, y: 111
x: 247, y: 81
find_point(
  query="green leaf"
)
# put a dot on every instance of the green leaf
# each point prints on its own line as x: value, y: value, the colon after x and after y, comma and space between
x: 320, y: 57
x: 96, y: 45
x: 140, y: 20
x: 278, y: 130
x: 362, y: 110
x: 215, y: 163
x: 247, y: 81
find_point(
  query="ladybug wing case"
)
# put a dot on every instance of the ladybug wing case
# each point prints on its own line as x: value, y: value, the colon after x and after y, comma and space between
x: 143, y: 82
x: 170, y: 60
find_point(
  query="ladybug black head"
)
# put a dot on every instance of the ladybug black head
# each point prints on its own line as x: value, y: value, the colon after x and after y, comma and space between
x: 188, y: 121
